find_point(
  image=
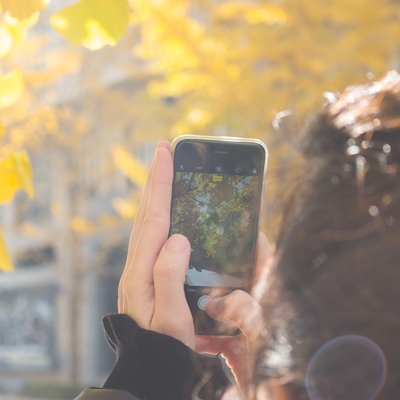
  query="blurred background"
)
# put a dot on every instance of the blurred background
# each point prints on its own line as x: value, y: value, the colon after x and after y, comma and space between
x: 88, y: 88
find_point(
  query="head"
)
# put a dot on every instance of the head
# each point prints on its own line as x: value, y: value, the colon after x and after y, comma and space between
x: 332, y: 304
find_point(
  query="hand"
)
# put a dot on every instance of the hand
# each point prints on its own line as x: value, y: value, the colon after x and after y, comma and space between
x: 151, y: 287
x: 241, y: 309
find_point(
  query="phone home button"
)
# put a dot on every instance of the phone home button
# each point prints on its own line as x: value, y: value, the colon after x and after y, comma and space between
x: 203, y: 301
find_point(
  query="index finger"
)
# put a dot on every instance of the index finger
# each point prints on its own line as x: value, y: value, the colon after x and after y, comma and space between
x: 137, y: 225
x: 156, y: 222
x: 141, y: 212
x: 138, y: 278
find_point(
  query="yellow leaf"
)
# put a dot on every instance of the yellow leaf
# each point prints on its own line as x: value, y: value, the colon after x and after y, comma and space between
x: 18, y: 28
x: 267, y: 15
x: 5, y: 260
x: 93, y: 23
x: 15, y: 174
x: 230, y: 10
x: 199, y: 117
x: 126, y: 208
x: 11, y: 88
x: 6, y: 40
x: 129, y: 166
x: 108, y: 221
x: 80, y: 225
x: 23, y: 9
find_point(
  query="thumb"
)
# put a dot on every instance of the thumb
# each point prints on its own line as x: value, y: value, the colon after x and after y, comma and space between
x: 171, y: 312
x: 238, y: 308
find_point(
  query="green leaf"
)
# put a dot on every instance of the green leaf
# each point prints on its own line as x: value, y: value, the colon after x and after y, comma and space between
x: 93, y: 23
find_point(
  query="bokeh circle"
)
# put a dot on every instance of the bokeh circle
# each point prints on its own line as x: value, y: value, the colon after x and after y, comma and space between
x: 348, y: 367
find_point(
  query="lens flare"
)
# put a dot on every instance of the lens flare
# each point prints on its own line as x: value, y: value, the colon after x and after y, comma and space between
x: 347, y: 367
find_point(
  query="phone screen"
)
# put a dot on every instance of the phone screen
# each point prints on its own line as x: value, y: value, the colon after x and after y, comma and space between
x: 215, y: 204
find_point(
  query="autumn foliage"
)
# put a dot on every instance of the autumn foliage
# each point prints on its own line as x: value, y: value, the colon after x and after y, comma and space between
x: 208, y: 67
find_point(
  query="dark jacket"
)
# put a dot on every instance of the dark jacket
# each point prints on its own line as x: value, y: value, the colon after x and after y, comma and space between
x: 152, y: 366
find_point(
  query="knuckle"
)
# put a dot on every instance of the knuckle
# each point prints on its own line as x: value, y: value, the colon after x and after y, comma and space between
x: 166, y: 271
x: 235, y: 306
x: 239, y: 296
x: 155, y: 225
x: 155, y: 216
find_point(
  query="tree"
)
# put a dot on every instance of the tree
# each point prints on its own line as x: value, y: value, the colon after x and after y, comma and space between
x: 216, y: 214
x: 208, y: 67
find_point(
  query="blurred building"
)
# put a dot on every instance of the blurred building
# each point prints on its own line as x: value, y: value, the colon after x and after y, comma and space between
x: 69, y: 244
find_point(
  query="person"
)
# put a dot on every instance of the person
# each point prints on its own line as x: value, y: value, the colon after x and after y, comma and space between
x: 324, y: 319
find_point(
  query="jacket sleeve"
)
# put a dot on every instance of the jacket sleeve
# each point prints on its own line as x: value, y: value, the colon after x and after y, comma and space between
x: 152, y: 366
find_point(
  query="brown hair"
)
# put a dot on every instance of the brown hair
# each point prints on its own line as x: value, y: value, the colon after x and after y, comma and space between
x: 337, y: 268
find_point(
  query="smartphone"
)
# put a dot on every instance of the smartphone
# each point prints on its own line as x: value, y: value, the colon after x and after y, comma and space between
x: 216, y: 199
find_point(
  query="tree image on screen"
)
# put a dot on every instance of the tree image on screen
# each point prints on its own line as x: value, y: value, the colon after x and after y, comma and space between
x: 217, y: 214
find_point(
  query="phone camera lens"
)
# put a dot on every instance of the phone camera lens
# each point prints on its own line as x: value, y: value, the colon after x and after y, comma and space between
x: 237, y: 169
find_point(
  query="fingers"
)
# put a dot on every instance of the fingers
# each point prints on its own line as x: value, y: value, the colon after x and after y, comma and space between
x: 238, y: 308
x: 212, y: 345
x: 219, y: 309
x: 138, y: 225
x: 235, y: 350
x: 154, y: 226
x: 134, y: 236
x: 142, y: 208
x: 171, y: 312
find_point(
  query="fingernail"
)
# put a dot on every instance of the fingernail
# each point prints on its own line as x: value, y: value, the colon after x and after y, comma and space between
x: 177, y: 243
x: 163, y: 144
